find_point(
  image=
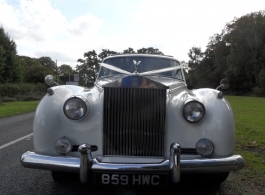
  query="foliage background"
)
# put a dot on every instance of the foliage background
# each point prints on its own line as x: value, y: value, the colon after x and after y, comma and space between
x: 237, y: 53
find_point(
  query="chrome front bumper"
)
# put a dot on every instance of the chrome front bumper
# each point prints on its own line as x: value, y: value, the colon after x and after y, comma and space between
x: 174, y: 165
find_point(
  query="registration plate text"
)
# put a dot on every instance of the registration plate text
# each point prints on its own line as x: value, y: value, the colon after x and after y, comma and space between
x: 132, y: 179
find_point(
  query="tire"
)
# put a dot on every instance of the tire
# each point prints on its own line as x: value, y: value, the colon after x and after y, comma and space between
x: 64, y: 177
x: 213, y: 178
x: 218, y: 178
x: 204, y: 178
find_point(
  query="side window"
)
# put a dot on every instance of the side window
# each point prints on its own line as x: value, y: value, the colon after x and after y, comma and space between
x: 106, y: 72
x: 178, y: 74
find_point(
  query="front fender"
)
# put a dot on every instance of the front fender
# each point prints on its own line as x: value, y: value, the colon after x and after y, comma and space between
x: 50, y: 122
x: 217, y: 125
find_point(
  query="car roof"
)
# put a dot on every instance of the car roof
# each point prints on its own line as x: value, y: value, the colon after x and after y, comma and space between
x: 141, y: 55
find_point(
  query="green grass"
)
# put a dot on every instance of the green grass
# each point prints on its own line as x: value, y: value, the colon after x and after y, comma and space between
x: 14, y: 108
x: 249, y: 113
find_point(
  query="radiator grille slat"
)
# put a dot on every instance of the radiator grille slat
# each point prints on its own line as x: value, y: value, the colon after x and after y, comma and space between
x: 134, y: 121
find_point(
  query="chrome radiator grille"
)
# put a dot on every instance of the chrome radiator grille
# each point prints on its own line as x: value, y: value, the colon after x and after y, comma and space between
x: 134, y: 121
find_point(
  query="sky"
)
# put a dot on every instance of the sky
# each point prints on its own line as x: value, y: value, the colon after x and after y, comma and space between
x: 66, y: 29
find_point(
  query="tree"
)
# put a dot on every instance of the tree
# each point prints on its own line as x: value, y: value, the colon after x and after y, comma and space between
x: 2, y: 63
x: 218, y: 51
x: 36, y: 73
x: 195, y: 54
x: 129, y: 50
x: 247, y: 48
x: 65, y: 72
x: 237, y: 53
x: 26, y: 63
x: 9, y: 67
x: 105, y: 53
x: 48, y: 62
x: 149, y: 50
x: 262, y: 78
x: 88, y: 68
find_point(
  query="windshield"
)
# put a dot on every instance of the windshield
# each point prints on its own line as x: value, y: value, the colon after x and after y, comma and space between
x: 145, y: 64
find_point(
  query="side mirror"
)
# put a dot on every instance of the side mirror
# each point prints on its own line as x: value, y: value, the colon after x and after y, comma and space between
x: 224, y: 84
x: 49, y: 80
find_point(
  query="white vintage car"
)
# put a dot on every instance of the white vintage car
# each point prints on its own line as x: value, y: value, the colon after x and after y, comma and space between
x: 139, y: 125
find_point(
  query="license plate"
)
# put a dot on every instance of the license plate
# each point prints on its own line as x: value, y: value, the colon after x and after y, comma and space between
x: 131, y: 179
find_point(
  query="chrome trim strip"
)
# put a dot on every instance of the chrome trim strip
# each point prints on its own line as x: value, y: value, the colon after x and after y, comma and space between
x: 72, y: 164
x: 177, y: 88
x: 206, y: 165
x: 53, y: 163
x: 163, y: 166
x: 98, y: 86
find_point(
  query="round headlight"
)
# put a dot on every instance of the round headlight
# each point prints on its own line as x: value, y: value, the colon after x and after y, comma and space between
x: 204, y: 147
x: 63, y: 145
x: 193, y: 111
x: 75, y: 108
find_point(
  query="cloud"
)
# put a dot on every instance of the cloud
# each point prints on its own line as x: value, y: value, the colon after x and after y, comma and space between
x: 40, y: 30
x: 176, y: 26
x: 56, y: 55
x: 34, y: 20
x: 86, y: 25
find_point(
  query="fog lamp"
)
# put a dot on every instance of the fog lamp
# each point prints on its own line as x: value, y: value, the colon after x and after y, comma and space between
x: 63, y: 145
x: 204, y: 147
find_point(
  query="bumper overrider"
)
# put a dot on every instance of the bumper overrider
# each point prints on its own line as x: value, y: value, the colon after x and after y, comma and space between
x: 173, y: 167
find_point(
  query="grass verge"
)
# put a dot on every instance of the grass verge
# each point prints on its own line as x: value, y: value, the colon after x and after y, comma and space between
x: 249, y: 113
x: 14, y: 108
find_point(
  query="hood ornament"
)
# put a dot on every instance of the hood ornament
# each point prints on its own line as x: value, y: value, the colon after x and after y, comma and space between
x: 136, y: 64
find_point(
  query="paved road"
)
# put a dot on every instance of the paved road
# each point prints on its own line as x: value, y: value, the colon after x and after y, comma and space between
x: 15, y: 179
x: 12, y: 128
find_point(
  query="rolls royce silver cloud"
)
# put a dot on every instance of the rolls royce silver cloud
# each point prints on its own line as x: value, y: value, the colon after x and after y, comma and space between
x: 139, y: 125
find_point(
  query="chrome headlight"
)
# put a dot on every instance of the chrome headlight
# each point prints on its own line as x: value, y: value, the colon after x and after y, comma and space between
x: 63, y: 145
x: 193, y: 111
x: 204, y: 147
x: 75, y: 108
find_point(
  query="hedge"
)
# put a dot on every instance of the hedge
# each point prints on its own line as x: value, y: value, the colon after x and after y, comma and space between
x: 21, y: 91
